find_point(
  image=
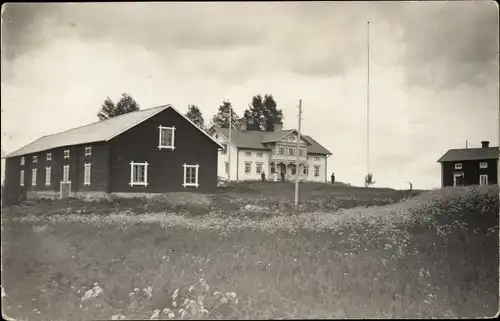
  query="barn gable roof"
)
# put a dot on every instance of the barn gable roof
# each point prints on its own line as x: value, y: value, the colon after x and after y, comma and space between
x: 96, y: 132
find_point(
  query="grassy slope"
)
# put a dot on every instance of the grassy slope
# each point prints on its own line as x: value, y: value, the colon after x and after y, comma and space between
x: 434, y: 255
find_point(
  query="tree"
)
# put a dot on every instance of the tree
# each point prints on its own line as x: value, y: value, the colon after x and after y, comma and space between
x: 369, y: 180
x: 221, y: 119
x: 194, y: 113
x: 263, y: 113
x: 125, y: 105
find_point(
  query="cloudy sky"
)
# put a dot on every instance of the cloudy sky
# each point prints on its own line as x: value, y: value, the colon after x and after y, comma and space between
x: 433, y: 72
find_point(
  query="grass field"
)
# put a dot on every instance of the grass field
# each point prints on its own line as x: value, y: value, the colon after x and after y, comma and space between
x: 347, y: 252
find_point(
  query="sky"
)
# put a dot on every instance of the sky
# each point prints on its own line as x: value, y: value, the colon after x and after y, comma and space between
x: 434, y: 80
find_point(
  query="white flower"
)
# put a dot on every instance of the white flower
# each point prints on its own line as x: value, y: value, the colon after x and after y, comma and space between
x: 117, y: 317
x: 156, y: 314
x: 171, y: 315
x: 231, y: 295
x: 186, y: 302
x: 174, y: 304
x: 166, y: 311
x: 176, y: 293
x: 223, y: 300
x: 203, y: 282
x: 191, y: 288
x: 216, y: 293
x: 184, y: 313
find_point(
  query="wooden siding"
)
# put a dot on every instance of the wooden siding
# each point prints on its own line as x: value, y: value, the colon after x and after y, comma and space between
x: 165, y: 166
x: 471, y: 172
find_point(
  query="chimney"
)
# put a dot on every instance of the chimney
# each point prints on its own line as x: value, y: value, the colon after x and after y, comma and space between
x: 278, y: 127
x: 242, y: 124
x: 485, y: 144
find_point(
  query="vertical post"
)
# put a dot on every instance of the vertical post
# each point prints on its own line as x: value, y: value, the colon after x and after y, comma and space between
x: 150, y: 91
x: 368, y: 100
x: 229, y: 145
x: 298, y: 158
x: 466, y: 144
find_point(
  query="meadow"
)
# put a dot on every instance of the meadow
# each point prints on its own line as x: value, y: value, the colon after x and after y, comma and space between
x: 246, y: 253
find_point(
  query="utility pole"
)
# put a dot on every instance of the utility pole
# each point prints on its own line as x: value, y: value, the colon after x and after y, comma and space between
x: 368, y: 100
x: 466, y: 144
x: 229, y: 146
x: 298, y: 158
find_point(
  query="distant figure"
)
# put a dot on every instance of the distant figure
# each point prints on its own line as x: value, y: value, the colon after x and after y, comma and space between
x: 263, y: 176
x: 282, y: 176
x: 411, y: 186
x: 333, y: 178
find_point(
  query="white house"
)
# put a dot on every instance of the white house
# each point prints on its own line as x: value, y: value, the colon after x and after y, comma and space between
x: 253, y: 152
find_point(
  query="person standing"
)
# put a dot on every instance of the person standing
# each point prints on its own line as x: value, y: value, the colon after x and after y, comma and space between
x: 263, y: 176
x: 333, y: 178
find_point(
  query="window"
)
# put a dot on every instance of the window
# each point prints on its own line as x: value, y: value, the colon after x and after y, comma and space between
x: 65, y: 174
x: 248, y: 167
x: 66, y: 153
x: 306, y: 170
x: 35, y: 159
x: 483, y: 165
x: 86, y: 174
x: 316, y: 158
x: 291, y: 151
x: 88, y: 150
x: 294, y: 170
x: 224, y: 150
x: 139, y: 174
x: 258, y: 169
x: 273, y: 168
x: 22, y: 160
x: 483, y: 180
x: 260, y: 155
x: 316, y: 170
x: 191, y: 175
x: 22, y: 178
x: 227, y: 167
x: 248, y: 154
x: 458, y: 166
x: 33, y: 177
x: 302, y: 152
x: 48, y: 172
x: 282, y: 150
x: 49, y: 157
x: 167, y: 136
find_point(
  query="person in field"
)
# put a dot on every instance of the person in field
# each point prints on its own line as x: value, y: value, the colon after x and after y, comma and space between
x: 263, y: 176
x: 333, y: 178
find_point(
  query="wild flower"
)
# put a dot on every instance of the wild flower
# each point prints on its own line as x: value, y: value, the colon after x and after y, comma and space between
x: 118, y: 317
x: 148, y: 291
x: 92, y: 293
x: 155, y: 315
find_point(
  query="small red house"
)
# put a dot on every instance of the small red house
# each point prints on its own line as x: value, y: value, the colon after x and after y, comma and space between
x: 149, y: 151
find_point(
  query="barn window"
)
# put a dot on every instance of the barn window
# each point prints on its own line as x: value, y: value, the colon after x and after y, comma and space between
x: 483, y: 180
x: 66, y: 153
x: 86, y: 174
x: 48, y: 172
x: 191, y: 175
x: 22, y: 160
x: 483, y: 165
x: 49, y: 157
x: 458, y: 166
x: 167, y: 138
x: 22, y: 178
x: 65, y: 174
x: 33, y: 177
x: 35, y: 159
x: 139, y: 174
x: 88, y: 150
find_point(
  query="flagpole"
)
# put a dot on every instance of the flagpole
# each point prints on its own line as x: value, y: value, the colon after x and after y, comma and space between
x: 229, y: 146
x: 368, y: 99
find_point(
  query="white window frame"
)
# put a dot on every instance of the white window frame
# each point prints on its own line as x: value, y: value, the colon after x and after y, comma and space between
x: 145, y: 183
x: 257, y: 168
x: 195, y: 184
x: 48, y: 174
x: 35, y: 159
x: 21, y: 178
x: 88, y: 150
x: 248, y: 153
x: 483, y: 165
x: 250, y: 168
x: 49, y: 157
x: 260, y: 154
x: 485, y: 176
x: 458, y: 166
x: 66, y: 153
x: 160, y: 132
x: 34, y: 172
x: 23, y: 160
x: 87, y: 173
x: 65, y: 170
x: 316, y: 170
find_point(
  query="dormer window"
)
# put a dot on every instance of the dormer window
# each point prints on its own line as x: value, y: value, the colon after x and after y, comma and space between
x: 458, y: 166
x: 166, y: 138
x: 66, y: 153
x: 88, y: 150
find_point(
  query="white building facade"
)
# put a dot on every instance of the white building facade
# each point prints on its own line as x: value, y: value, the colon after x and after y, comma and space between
x: 252, y: 153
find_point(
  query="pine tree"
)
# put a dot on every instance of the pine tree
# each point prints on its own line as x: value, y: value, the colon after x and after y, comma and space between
x: 125, y: 105
x: 194, y: 113
x: 263, y: 113
x: 221, y: 119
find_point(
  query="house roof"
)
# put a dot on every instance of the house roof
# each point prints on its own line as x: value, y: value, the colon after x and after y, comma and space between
x: 465, y: 154
x: 96, y: 132
x: 253, y: 139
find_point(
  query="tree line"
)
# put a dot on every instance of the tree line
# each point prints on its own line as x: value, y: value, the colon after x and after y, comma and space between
x: 262, y: 113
